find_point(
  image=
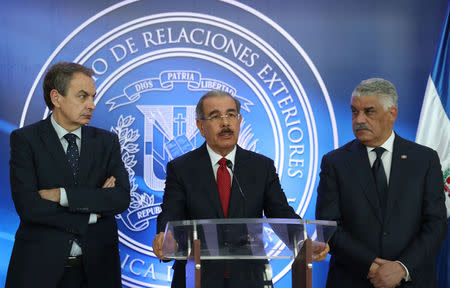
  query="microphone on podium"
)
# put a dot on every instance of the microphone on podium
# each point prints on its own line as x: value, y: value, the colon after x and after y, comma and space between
x: 230, y: 166
x: 248, y: 239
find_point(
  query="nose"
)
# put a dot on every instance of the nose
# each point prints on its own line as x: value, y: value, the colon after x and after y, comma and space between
x: 90, y: 103
x: 225, y: 121
x: 360, y: 118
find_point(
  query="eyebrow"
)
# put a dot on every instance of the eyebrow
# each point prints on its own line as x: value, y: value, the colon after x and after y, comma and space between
x: 217, y: 111
x: 370, y: 108
x: 213, y: 112
x: 87, y: 93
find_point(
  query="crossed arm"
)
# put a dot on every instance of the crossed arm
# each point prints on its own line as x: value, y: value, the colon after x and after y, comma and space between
x: 54, y: 194
x: 32, y: 168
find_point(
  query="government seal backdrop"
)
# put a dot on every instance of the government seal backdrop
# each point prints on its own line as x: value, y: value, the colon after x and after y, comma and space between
x: 153, y: 64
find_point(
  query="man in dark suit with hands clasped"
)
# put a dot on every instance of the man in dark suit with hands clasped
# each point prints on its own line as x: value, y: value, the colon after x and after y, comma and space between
x: 385, y: 192
x: 67, y: 182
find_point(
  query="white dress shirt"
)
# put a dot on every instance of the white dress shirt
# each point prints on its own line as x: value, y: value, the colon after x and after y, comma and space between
x: 63, y: 200
x: 216, y: 157
x: 386, y: 158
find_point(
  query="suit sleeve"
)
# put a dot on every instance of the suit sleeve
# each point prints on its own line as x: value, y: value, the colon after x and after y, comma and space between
x: 30, y: 207
x: 433, y: 228
x: 174, y: 199
x: 342, y: 244
x: 104, y: 201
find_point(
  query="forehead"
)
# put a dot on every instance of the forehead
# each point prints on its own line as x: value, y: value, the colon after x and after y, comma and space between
x: 366, y: 101
x: 219, y: 103
x: 81, y: 81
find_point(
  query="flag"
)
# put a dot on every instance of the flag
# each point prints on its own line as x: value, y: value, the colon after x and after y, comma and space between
x: 434, y: 123
x: 434, y: 131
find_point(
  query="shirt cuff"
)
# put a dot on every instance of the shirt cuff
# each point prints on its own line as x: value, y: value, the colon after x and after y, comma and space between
x: 407, y: 277
x: 92, y: 218
x: 63, y: 201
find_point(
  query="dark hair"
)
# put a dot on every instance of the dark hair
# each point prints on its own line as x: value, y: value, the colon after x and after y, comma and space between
x: 58, y: 78
x: 200, y: 113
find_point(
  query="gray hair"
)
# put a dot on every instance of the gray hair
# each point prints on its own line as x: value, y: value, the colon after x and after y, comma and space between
x: 58, y: 78
x: 200, y: 113
x: 383, y: 89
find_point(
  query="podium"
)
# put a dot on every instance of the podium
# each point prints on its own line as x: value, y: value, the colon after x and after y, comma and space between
x: 247, y: 239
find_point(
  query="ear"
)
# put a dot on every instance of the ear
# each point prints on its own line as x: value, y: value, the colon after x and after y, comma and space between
x: 200, y: 127
x: 393, y: 111
x: 54, y: 97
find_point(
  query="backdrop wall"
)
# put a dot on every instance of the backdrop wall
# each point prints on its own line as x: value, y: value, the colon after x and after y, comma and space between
x: 293, y: 64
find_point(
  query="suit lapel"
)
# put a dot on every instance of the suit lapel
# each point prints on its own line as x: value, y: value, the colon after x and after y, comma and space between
x: 209, y: 185
x: 358, y: 162
x: 51, y: 141
x: 399, y: 167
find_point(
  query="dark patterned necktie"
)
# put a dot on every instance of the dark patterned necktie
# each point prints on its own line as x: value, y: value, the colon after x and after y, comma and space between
x: 72, y: 153
x: 380, y: 176
x: 224, y: 185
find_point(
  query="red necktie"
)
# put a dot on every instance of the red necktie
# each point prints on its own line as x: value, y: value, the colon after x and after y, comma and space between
x: 224, y: 185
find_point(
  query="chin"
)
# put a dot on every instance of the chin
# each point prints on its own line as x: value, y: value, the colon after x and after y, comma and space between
x: 367, y: 142
x: 363, y: 134
x: 363, y: 138
x: 227, y: 146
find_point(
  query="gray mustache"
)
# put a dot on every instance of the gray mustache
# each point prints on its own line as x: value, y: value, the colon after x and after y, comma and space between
x: 362, y: 126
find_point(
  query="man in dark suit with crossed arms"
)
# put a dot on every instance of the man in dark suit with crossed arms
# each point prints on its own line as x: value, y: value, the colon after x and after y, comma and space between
x: 199, y: 186
x: 67, y: 182
x: 386, y: 194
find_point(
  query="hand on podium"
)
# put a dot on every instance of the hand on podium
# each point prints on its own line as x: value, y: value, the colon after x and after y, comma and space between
x: 319, y: 251
x: 164, y: 242
x: 157, y: 245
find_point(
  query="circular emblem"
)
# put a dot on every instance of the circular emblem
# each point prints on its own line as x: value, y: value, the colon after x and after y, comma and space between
x: 150, y: 70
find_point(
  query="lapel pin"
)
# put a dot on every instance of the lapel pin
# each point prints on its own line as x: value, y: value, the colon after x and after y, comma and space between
x: 404, y: 156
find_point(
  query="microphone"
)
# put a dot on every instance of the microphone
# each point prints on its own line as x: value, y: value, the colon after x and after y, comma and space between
x: 230, y: 166
x: 248, y: 239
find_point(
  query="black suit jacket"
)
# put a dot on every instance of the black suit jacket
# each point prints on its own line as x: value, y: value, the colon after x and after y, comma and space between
x: 46, y: 230
x: 191, y: 193
x: 412, y: 227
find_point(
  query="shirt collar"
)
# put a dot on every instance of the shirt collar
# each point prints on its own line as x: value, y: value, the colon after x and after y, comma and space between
x: 216, y: 157
x: 388, y: 144
x: 60, y: 131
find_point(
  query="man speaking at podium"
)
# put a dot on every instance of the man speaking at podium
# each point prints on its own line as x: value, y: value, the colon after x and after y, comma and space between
x: 201, y: 185
x: 386, y: 194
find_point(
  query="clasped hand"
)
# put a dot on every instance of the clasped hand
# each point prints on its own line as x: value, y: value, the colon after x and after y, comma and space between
x: 385, y: 274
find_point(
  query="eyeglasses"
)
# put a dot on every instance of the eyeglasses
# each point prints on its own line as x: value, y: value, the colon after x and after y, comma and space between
x: 231, y: 116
